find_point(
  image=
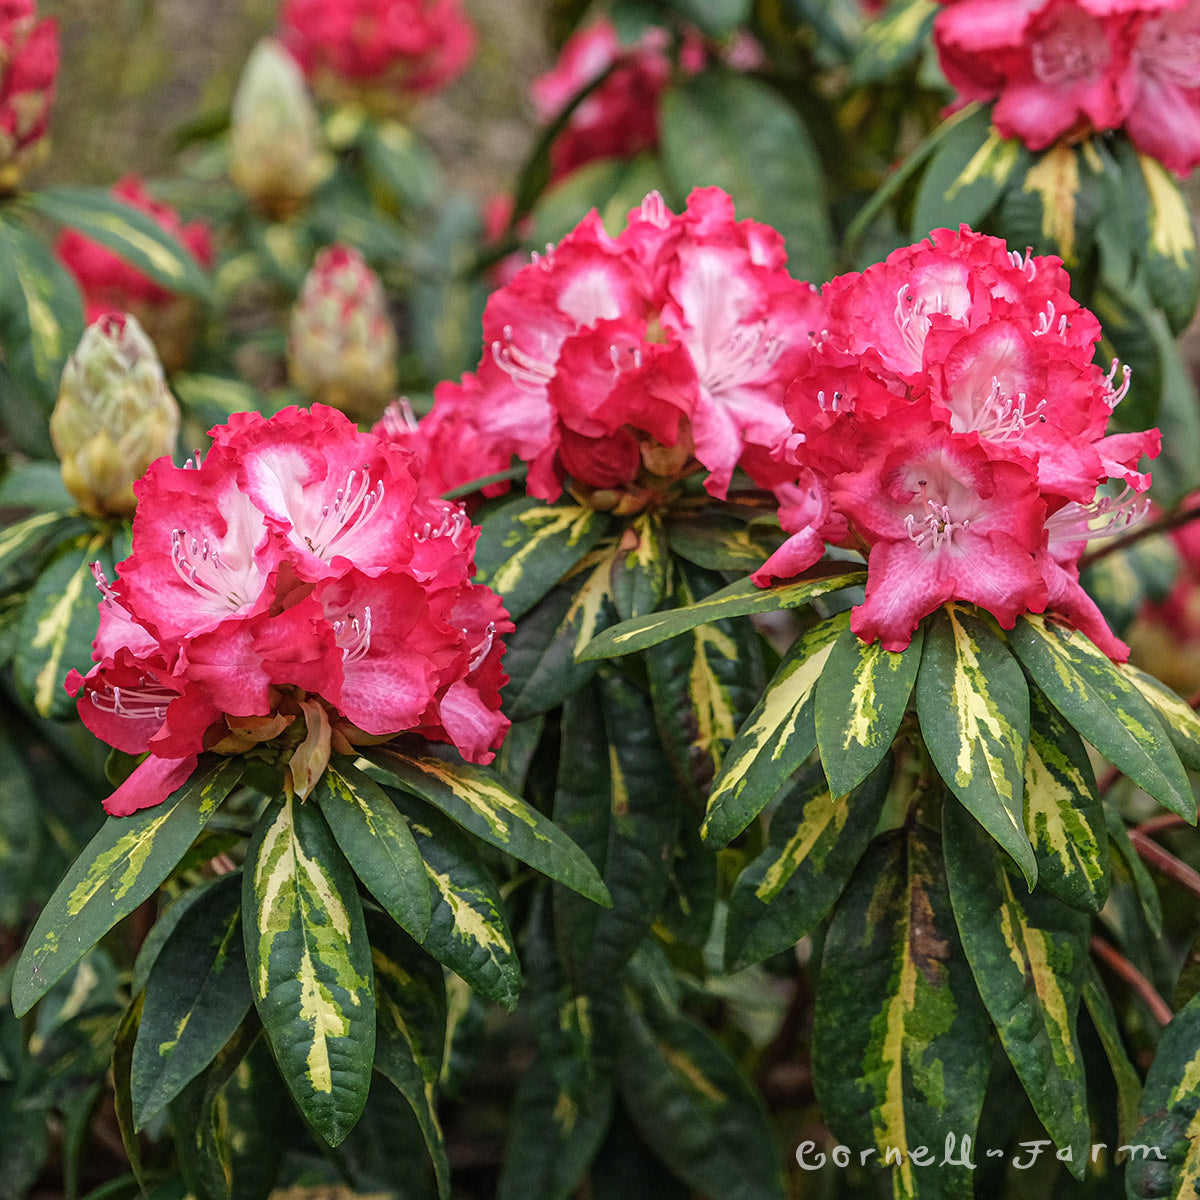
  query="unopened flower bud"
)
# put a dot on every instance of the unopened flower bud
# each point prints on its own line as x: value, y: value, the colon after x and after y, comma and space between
x: 342, y: 347
x: 276, y: 156
x: 114, y: 416
x: 28, y: 66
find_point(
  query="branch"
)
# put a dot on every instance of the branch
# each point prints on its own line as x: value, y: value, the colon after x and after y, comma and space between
x: 1142, y: 987
x: 1151, y: 853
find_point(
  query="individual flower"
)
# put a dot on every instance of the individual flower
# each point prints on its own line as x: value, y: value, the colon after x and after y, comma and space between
x: 110, y: 285
x: 949, y: 420
x: 28, y: 66
x: 377, y: 53
x: 114, y: 416
x: 297, y: 578
x: 276, y: 155
x: 618, y: 366
x: 1066, y: 68
x: 341, y: 344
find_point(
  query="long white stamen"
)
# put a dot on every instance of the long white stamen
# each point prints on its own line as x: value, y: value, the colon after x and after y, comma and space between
x: 199, y: 564
x: 1113, y: 394
x: 352, y: 506
x: 523, y: 368
x: 1103, y: 517
x: 352, y: 635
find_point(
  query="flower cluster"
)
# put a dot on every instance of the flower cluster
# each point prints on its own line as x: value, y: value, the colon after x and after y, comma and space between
x: 294, y: 592
x: 111, y: 286
x: 28, y: 66
x: 951, y: 421
x: 377, y: 53
x: 623, y: 364
x: 1067, y: 67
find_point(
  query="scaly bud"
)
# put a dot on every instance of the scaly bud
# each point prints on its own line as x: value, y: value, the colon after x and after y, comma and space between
x: 342, y: 348
x: 28, y: 65
x: 114, y: 416
x: 276, y: 156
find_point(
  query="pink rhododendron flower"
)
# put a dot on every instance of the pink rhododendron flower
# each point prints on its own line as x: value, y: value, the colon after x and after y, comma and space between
x: 111, y: 286
x: 1060, y: 68
x: 28, y: 67
x: 299, y: 572
x: 378, y: 53
x: 617, y: 366
x: 949, y: 420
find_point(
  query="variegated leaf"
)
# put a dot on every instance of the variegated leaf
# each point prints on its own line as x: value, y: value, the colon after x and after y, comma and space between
x: 1179, y: 718
x: 541, y: 655
x: 41, y: 314
x: 739, y: 599
x: 1105, y: 706
x: 476, y: 799
x: 377, y: 843
x: 899, y: 1030
x: 128, y: 231
x: 310, y: 965
x: 967, y: 175
x: 526, y: 546
x: 897, y: 36
x: 616, y: 800
x: 1125, y: 1074
x: 1128, y: 868
x: 1029, y: 956
x: 703, y: 685
x: 719, y: 541
x: 973, y: 705
x: 691, y: 1102
x: 1063, y: 815
x: 411, y: 999
x: 814, y: 843
x: 24, y: 545
x: 59, y: 624
x: 122, y: 1059
x: 120, y: 867
x: 468, y: 931
x: 862, y: 696
x: 196, y: 997
x: 1170, y: 1111
x: 779, y: 735
x: 641, y: 570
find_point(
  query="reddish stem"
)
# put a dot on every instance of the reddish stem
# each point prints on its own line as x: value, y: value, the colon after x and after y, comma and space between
x: 1124, y: 969
x: 1151, y: 853
x: 1160, y: 824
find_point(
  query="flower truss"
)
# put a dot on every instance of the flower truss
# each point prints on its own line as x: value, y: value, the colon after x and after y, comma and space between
x: 377, y: 51
x: 617, y: 366
x: 950, y: 421
x: 293, y: 592
x: 1066, y: 67
x: 29, y: 57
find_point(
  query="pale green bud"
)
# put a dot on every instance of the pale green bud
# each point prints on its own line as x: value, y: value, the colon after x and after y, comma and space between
x: 114, y: 416
x: 276, y: 156
x: 342, y: 347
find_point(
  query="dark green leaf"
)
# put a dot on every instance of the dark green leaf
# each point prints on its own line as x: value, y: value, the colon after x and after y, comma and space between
x: 778, y: 736
x: 900, y: 1040
x: 1029, y: 956
x: 310, y: 965
x: 641, y: 572
x: 615, y: 800
x: 735, y: 132
x: 1125, y: 1075
x: 1107, y: 709
x: 719, y: 541
x: 119, y: 869
x: 25, y: 545
x: 377, y: 842
x: 814, y: 843
x: 475, y: 799
x: 196, y: 996
x: 973, y: 704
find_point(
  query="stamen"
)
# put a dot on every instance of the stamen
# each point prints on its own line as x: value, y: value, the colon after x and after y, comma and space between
x: 106, y: 588
x: 749, y: 353
x: 193, y: 463
x: 654, y: 211
x: 833, y: 405
x: 483, y: 649
x: 1045, y: 321
x: 398, y: 419
x: 1104, y: 517
x: 352, y: 507
x: 135, y: 704
x: 353, y: 636
x: 200, y: 566
x: 523, y: 368
x: 1024, y: 262
x: 1113, y: 395
x: 937, y: 529
x: 454, y: 521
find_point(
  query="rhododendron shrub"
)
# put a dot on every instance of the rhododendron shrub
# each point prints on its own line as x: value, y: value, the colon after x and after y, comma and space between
x: 28, y: 68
